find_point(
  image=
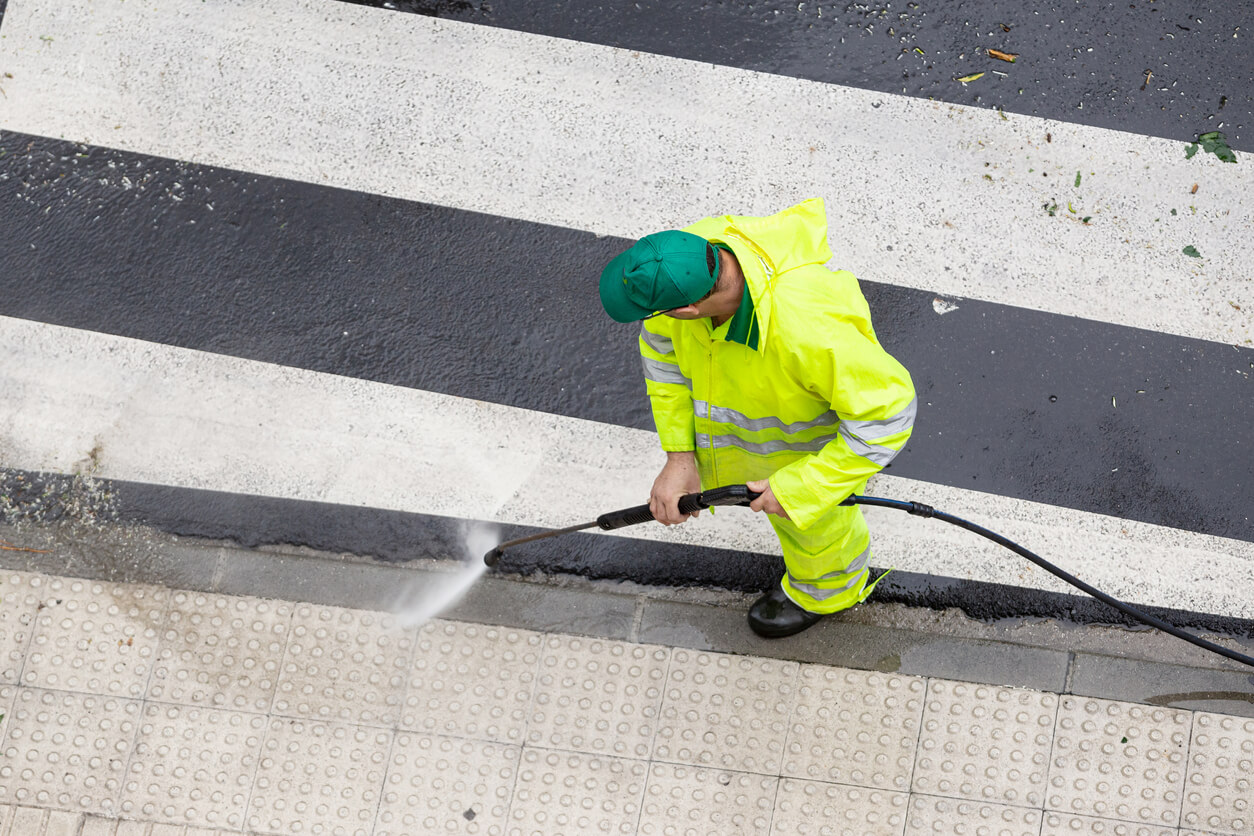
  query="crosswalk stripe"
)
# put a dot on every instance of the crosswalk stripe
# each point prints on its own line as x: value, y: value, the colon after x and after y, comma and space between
x: 623, y: 143
x: 125, y: 409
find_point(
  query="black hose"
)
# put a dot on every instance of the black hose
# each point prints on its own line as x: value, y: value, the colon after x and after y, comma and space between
x: 918, y: 509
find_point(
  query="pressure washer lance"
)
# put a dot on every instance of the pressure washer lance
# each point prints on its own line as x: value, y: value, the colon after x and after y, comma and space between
x: 688, y: 504
x: 741, y: 495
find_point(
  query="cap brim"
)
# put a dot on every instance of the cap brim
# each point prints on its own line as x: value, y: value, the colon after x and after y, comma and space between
x: 614, y: 292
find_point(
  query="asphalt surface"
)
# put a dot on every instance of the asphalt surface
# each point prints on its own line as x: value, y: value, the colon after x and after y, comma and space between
x: 1076, y: 61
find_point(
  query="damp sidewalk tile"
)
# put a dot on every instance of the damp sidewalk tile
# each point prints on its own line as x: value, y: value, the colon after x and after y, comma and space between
x: 66, y: 750
x: 192, y: 765
x: 311, y: 771
x: 931, y: 814
x: 438, y: 784
x: 985, y: 743
x: 598, y: 696
x: 20, y: 594
x: 221, y: 651
x: 1063, y: 824
x: 471, y: 680
x: 1119, y: 760
x: 342, y: 664
x: 726, y: 711
x: 95, y: 637
x: 813, y: 808
x: 691, y: 799
x: 1154, y: 683
x: 1219, y: 785
x: 854, y: 727
x: 571, y: 794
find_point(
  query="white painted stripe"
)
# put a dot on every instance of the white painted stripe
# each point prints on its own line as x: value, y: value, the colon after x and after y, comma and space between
x: 171, y: 416
x: 625, y: 143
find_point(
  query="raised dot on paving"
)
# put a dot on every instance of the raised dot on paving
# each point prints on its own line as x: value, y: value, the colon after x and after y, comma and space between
x: 1063, y: 824
x: 471, y: 680
x: 573, y: 794
x: 438, y: 784
x: 1118, y: 760
x: 316, y: 777
x: 192, y: 766
x: 931, y: 814
x: 1219, y: 788
x: 598, y: 696
x: 726, y: 711
x: 20, y: 593
x: 343, y: 664
x: 854, y: 727
x: 220, y: 650
x: 693, y: 800
x: 810, y: 807
x: 98, y: 638
x: 67, y: 751
x: 985, y: 743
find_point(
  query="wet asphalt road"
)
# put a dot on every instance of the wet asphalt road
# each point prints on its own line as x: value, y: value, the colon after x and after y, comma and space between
x: 1077, y: 61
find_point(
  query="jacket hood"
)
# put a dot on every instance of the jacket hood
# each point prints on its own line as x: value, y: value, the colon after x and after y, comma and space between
x: 768, y: 246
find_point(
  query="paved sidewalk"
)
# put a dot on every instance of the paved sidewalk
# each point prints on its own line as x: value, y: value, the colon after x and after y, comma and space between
x: 136, y: 710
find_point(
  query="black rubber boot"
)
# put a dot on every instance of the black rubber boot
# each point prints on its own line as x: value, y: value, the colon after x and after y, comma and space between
x: 774, y: 616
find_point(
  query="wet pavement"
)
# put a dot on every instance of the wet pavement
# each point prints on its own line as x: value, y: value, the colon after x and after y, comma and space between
x: 267, y: 692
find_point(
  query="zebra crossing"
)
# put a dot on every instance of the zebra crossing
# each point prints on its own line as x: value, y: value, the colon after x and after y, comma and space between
x: 331, y: 255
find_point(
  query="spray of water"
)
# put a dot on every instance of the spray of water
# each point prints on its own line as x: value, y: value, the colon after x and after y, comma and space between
x: 420, y: 604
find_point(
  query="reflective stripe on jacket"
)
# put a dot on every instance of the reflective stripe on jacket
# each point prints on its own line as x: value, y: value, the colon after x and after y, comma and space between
x: 818, y: 407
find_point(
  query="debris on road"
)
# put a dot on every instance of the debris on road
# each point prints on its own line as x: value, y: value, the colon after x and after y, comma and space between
x: 972, y: 77
x: 1215, y: 143
x: 1191, y: 251
x: 1003, y: 56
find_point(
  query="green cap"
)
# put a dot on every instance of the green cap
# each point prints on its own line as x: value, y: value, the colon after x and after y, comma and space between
x: 661, y: 271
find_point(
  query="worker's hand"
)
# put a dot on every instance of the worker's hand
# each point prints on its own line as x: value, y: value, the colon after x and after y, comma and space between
x: 767, y: 501
x: 678, y: 477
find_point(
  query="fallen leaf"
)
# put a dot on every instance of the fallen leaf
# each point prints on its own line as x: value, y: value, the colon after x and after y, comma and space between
x: 1194, y: 189
x: 971, y: 77
x: 1191, y: 251
x: 1049, y: 137
x: 1077, y: 179
x: 1003, y: 56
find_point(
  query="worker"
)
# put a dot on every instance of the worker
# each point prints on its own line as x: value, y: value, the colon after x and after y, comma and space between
x: 762, y: 368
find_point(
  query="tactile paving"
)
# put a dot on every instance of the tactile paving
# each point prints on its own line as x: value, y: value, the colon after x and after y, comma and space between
x: 98, y: 638
x: 221, y: 651
x: 931, y: 815
x: 598, y: 696
x: 854, y: 727
x: 1219, y: 788
x: 573, y: 794
x: 726, y: 711
x: 694, y: 801
x: 316, y: 777
x: 19, y: 602
x: 1063, y: 824
x: 472, y: 680
x: 440, y: 784
x: 66, y: 750
x: 343, y: 664
x: 812, y: 808
x: 984, y: 742
x: 192, y: 765
x: 1118, y: 760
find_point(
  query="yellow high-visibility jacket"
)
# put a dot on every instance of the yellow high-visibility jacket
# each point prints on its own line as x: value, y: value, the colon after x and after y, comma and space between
x: 818, y: 405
